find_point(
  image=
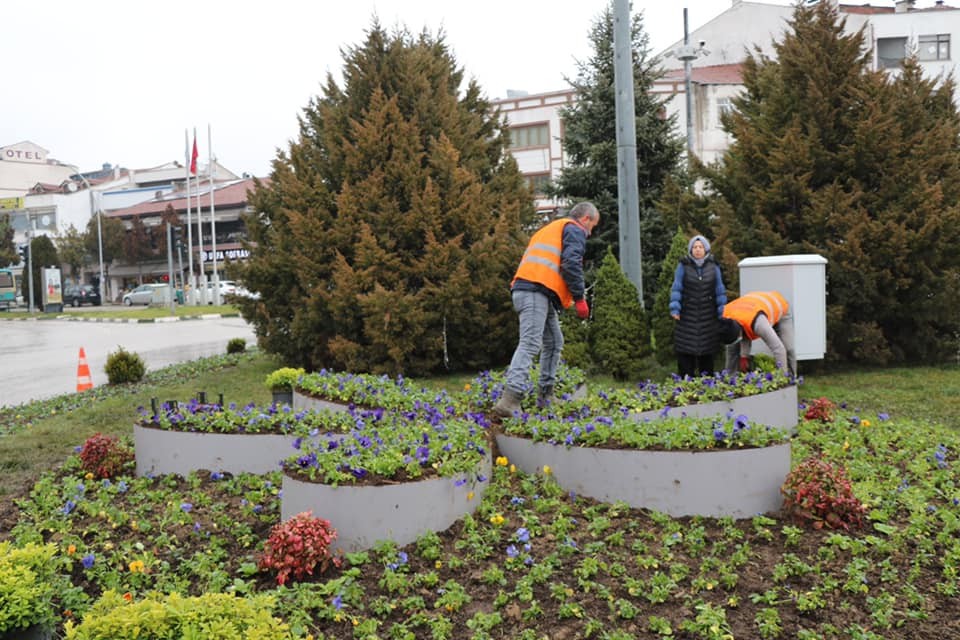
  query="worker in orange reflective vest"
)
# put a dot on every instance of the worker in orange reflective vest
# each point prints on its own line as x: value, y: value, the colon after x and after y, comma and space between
x: 758, y: 314
x: 548, y: 280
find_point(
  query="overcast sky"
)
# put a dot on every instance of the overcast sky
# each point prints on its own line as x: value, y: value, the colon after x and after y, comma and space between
x: 114, y: 81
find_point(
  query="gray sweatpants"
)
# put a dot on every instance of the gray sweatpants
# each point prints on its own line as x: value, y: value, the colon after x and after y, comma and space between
x: 539, y: 332
x: 778, y: 338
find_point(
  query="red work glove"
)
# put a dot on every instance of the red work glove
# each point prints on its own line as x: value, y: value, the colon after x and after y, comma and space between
x: 744, y: 364
x: 583, y: 311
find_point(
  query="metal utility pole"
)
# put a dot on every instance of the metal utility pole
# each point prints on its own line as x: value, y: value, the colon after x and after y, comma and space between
x: 627, y: 191
x: 30, y: 234
x: 94, y: 211
x: 170, y: 280
x: 687, y: 53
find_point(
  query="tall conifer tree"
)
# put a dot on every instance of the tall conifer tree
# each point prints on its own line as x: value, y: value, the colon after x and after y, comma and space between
x: 590, y: 142
x: 833, y: 158
x: 389, y: 231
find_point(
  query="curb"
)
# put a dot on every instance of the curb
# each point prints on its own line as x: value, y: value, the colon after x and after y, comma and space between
x: 202, y: 316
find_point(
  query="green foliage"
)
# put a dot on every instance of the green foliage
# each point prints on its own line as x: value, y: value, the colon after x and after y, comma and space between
x: 619, y: 336
x: 576, y: 341
x: 8, y: 250
x: 42, y: 254
x: 124, y: 366
x: 389, y: 230
x: 105, y: 456
x: 590, y: 141
x: 833, y: 158
x: 661, y: 324
x: 26, y: 589
x: 284, y: 378
x: 213, y: 616
x: 299, y: 546
x: 236, y: 345
x: 819, y: 492
x: 72, y: 250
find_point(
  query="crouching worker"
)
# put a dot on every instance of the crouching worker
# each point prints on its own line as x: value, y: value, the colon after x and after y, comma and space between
x: 758, y: 314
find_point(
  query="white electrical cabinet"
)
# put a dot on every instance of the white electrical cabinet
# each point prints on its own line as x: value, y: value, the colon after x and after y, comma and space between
x: 802, y: 280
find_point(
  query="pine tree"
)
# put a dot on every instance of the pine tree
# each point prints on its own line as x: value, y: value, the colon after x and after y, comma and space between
x: 833, y: 158
x: 388, y: 234
x: 662, y: 325
x: 43, y: 254
x: 619, y: 335
x: 590, y: 142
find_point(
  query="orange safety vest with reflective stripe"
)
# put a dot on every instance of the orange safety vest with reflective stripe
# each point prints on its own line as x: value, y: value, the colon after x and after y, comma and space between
x: 541, y: 261
x: 745, y: 309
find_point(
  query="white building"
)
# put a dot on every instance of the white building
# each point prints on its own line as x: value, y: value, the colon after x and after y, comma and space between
x: 23, y: 165
x: 891, y: 32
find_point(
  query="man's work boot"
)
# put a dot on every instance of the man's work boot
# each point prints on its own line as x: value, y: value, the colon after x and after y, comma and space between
x: 508, y: 403
x: 546, y: 397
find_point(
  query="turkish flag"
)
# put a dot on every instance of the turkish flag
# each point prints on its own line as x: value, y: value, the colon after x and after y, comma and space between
x: 193, y: 157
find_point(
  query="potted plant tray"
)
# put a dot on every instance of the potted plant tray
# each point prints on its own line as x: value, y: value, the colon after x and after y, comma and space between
x: 739, y: 483
x: 165, y: 451
x: 401, y: 512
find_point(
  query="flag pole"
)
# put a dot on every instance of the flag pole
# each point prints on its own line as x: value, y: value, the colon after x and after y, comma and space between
x: 201, y: 274
x: 188, y: 299
x: 213, y: 219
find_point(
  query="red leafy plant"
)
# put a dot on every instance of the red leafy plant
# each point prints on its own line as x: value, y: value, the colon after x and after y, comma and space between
x: 819, y: 492
x: 820, y: 409
x: 105, y: 456
x: 299, y: 546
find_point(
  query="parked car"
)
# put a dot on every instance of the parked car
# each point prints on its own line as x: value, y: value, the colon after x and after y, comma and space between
x: 79, y: 294
x: 229, y: 288
x: 142, y: 294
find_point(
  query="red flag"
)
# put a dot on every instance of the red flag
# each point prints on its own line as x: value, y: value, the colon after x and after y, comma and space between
x: 193, y: 157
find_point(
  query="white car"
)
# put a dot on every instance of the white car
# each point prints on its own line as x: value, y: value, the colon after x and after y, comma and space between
x: 229, y: 288
x: 142, y: 294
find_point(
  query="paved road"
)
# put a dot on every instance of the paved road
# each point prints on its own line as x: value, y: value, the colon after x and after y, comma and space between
x: 38, y: 359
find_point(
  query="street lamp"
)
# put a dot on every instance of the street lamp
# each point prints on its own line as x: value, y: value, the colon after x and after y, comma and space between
x: 687, y: 53
x: 103, y: 282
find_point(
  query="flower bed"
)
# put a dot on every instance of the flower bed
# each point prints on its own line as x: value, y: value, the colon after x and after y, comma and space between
x: 162, y: 451
x: 680, y: 466
x: 777, y: 408
x: 400, y: 512
x: 333, y: 389
x: 184, y: 437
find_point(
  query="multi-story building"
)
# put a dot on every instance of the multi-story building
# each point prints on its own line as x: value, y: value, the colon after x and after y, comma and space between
x: 891, y: 33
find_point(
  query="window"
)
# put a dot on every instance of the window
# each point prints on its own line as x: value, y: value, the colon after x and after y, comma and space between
x: 891, y: 52
x: 537, y: 135
x: 935, y: 47
x: 724, y: 106
x: 537, y: 182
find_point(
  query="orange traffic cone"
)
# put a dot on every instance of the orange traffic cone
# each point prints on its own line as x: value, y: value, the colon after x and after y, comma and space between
x: 84, y: 381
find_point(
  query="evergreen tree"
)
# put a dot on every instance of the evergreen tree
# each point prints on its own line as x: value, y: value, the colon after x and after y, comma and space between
x: 662, y: 325
x: 111, y: 235
x: 43, y: 254
x: 833, y: 158
x: 388, y: 233
x: 590, y: 142
x: 8, y: 251
x: 619, y: 335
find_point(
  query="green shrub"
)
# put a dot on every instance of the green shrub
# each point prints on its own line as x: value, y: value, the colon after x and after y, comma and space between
x: 213, y: 616
x: 619, y: 334
x: 283, y: 379
x: 662, y: 325
x: 576, y: 341
x: 105, y: 456
x: 26, y: 586
x: 298, y: 546
x: 236, y: 345
x: 124, y: 366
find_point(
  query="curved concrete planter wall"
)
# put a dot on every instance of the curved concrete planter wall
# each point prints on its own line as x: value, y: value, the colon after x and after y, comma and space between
x: 401, y: 512
x: 739, y: 483
x: 301, y: 401
x: 161, y: 451
x: 775, y: 409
